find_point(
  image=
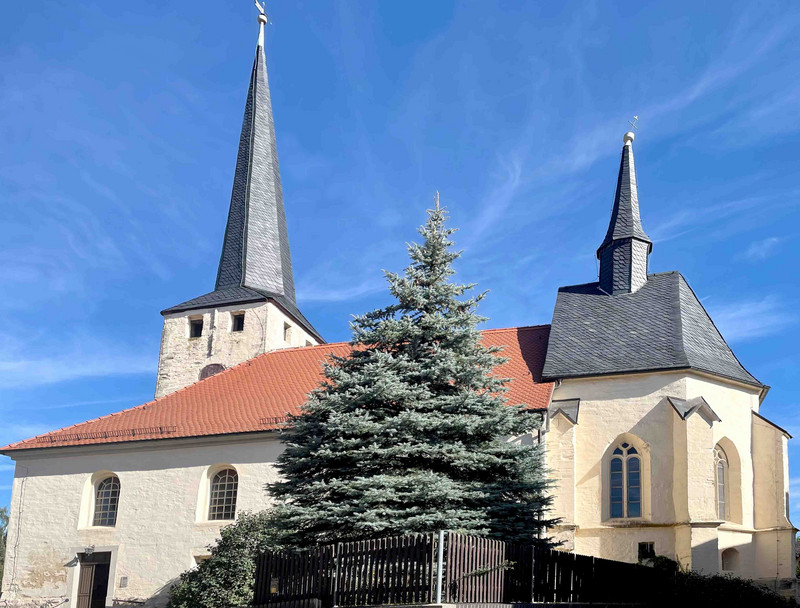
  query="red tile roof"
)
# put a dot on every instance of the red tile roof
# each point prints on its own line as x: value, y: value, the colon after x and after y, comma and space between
x: 257, y: 395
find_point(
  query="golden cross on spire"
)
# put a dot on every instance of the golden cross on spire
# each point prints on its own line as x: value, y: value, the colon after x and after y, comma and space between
x: 633, y: 122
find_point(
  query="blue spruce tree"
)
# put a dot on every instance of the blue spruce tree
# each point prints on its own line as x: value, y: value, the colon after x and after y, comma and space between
x: 411, y: 431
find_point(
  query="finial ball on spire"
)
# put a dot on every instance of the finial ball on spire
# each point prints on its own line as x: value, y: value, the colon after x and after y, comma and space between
x: 628, y: 138
x: 262, y: 12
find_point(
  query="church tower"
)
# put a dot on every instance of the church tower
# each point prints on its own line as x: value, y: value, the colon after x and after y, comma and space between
x: 252, y: 308
x: 624, y: 252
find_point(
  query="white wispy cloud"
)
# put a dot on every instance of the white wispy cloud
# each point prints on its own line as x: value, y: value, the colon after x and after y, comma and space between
x: 748, y: 319
x: 722, y: 219
x: 760, y: 250
x: 74, y: 357
x: 16, y: 432
x: 340, y: 294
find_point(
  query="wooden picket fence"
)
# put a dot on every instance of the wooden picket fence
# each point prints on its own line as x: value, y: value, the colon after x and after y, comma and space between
x: 469, y: 570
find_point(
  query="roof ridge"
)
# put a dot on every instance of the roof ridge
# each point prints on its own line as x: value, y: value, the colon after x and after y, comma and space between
x: 678, y: 315
x: 665, y: 272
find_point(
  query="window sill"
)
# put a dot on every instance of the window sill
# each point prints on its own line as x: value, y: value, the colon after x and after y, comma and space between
x: 623, y: 522
x: 109, y: 528
x: 215, y: 523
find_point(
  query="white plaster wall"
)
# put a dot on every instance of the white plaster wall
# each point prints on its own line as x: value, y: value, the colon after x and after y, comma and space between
x: 157, y: 534
x: 181, y: 357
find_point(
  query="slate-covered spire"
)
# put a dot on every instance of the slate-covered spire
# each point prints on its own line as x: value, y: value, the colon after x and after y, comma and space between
x: 624, y: 252
x: 255, y: 253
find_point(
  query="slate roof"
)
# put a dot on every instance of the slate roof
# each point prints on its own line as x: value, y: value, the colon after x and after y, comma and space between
x: 255, y: 252
x: 257, y: 395
x: 626, y: 221
x: 256, y: 261
x: 661, y: 326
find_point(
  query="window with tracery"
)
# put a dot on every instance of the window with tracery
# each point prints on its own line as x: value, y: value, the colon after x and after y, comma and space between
x: 722, y: 473
x: 222, y: 500
x: 625, y: 480
x: 106, y: 502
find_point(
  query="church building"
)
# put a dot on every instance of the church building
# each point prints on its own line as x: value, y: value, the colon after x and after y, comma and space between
x: 652, y: 428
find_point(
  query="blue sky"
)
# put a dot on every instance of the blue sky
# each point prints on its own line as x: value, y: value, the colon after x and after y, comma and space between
x: 120, y: 123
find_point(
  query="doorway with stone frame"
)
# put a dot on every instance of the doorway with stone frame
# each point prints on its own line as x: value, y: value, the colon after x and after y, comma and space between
x: 95, y: 569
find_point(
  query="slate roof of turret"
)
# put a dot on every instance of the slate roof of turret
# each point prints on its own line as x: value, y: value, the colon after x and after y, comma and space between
x: 661, y: 326
x: 259, y: 394
x: 626, y: 221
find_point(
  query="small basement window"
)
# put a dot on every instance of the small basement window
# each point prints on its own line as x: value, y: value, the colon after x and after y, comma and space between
x: 287, y: 333
x: 237, y: 321
x: 195, y: 328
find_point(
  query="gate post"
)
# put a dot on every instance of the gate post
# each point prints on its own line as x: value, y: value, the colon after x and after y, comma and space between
x: 439, y: 567
x: 336, y: 553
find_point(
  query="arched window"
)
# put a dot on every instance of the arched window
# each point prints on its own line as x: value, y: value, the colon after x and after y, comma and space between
x: 106, y: 502
x: 625, y: 482
x: 722, y: 474
x: 211, y: 369
x: 222, y: 501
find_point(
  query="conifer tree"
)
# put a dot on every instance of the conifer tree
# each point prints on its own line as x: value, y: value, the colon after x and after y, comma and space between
x: 410, y: 431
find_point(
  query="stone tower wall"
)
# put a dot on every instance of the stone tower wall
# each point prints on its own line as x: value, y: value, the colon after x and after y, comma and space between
x: 182, y: 358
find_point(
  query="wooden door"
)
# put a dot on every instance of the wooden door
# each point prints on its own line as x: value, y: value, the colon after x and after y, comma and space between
x: 85, y: 584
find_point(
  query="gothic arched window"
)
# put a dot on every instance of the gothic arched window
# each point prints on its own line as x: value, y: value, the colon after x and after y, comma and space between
x: 106, y: 502
x: 722, y: 474
x: 222, y: 498
x: 625, y: 478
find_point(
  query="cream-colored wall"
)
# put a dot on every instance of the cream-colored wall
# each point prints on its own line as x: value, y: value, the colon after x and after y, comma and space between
x: 771, y: 481
x: 680, y: 515
x: 561, y: 463
x: 160, y: 526
x: 609, y: 408
x: 181, y: 357
x: 734, y: 405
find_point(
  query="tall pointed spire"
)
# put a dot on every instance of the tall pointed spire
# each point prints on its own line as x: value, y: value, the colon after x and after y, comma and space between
x: 255, y: 253
x: 624, y: 252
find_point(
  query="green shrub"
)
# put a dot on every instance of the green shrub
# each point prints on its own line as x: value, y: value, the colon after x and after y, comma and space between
x: 228, y: 576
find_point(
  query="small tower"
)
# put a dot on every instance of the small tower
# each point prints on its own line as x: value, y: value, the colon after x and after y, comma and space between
x: 625, y: 250
x: 252, y: 308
